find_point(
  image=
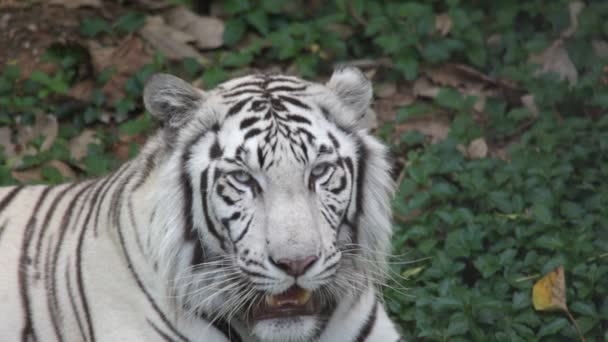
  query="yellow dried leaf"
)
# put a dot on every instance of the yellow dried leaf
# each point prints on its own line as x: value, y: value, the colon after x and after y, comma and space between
x: 549, y: 293
x: 412, y: 272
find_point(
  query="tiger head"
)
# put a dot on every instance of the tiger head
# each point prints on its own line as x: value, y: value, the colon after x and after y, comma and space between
x: 275, y: 207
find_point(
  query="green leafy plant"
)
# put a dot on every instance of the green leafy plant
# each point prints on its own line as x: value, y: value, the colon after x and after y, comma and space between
x: 472, y: 235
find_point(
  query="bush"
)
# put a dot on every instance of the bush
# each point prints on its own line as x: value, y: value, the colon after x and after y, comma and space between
x: 472, y: 234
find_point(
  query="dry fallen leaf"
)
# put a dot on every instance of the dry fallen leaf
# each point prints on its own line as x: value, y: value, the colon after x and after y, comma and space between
x: 477, y: 149
x: 549, y: 294
x: 424, y: 88
x: 385, y: 90
x: 207, y: 31
x: 443, y: 24
x: 6, y: 142
x: 128, y: 57
x: 44, y: 125
x: 600, y: 48
x: 35, y: 173
x: 72, y: 4
x: 555, y: 59
x: 574, y: 9
x: 437, y: 129
x: 170, y: 42
x: 79, y: 145
x: 530, y: 104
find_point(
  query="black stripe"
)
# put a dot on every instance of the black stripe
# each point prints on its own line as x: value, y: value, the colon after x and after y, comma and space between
x: 226, y: 221
x: 9, y: 197
x: 149, y: 164
x: 138, y: 242
x: 190, y: 233
x: 286, y: 88
x: 160, y: 332
x: 242, y: 92
x: 215, y: 151
x: 121, y: 238
x: 334, y: 141
x: 326, y: 113
x: 3, y: 228
x: 210, y: 225
x: 309, y: 136
x: 47, y: 220
x: 237, y: 107
x: 340, y: 187
x: 251, y: 133
x: 258, y: 84
x: 27, y: 333
x: 107, y: 184
x: 361, y: 173
x: 284, y: 79
x: 226, y: 199
x: 366, y: 329
x: 245, y: 230
x: 49, y: 298
x: 298, y: 119
x: 227, y: 330
x: 51, y: 287
x: 294, y: 101
x: 248, y: 122
x: 72, y: 301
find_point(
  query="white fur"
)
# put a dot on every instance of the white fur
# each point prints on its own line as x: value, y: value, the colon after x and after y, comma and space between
x: 136, y: 262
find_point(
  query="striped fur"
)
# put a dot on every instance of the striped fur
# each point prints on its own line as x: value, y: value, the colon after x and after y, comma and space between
x: 181, y: 243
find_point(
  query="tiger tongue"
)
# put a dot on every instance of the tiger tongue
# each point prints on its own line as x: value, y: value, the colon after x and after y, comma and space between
x: 294, y: 296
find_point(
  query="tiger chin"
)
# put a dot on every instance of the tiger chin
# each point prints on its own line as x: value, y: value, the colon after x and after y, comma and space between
x: 259, y: 211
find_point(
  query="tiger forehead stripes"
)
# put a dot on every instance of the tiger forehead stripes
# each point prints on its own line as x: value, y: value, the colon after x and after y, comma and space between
x: 260, y: 211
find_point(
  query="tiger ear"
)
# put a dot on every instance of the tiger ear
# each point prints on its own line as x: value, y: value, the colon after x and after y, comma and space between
x: 355, y: 91
x: 171, y: 100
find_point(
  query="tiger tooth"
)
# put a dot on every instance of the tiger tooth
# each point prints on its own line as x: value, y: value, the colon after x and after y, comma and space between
x: 300, y: 297
x: 303, y: 297
x: 271, y: 301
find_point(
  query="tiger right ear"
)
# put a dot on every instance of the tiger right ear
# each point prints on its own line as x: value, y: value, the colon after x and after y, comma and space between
x: 354, y: 91
x: 171, y: 100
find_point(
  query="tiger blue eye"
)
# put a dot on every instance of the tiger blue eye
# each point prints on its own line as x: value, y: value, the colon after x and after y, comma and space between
x: 320, y: 170
x: 242, y: 176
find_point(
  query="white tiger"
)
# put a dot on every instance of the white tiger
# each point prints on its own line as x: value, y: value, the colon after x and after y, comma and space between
x: 259, y: 212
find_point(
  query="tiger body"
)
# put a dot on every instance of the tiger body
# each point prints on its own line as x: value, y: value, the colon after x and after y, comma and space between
x: 203, y: 236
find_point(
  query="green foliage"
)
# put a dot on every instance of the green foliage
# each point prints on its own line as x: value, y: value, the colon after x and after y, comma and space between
x: 480, y: 231
x: 488, y: 224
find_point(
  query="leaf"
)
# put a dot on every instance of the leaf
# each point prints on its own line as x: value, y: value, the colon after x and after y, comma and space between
x: 94, y: 26
x: 555, y: 59
x: 542, y: 212
x: 73, y: 4
x: 208, y: 32
x: 167, y: 40
x: 130, y: 22
x: 412, y: 272
x: 549, y: 293
x: 553, y: 327
x: 477, y: 149
x: 79, y: 145
x: 443, y: 24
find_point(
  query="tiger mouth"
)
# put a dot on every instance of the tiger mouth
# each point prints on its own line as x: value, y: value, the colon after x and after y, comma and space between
x: 294, y: 302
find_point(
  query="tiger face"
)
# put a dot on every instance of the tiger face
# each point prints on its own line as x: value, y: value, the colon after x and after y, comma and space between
x: 272, y: 182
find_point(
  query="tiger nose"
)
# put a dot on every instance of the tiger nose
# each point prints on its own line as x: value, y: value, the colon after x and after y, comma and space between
x: 295, y: 267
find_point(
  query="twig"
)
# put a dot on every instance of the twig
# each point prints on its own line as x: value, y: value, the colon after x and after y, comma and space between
x: 356, y: 16
x: 578, y: 329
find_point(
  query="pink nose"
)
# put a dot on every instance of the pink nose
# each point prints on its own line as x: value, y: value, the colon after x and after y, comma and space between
x: 295, y: 267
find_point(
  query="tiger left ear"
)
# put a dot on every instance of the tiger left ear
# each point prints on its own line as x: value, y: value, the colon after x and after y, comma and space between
x: 355, y: 91
x: 171, y: 100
